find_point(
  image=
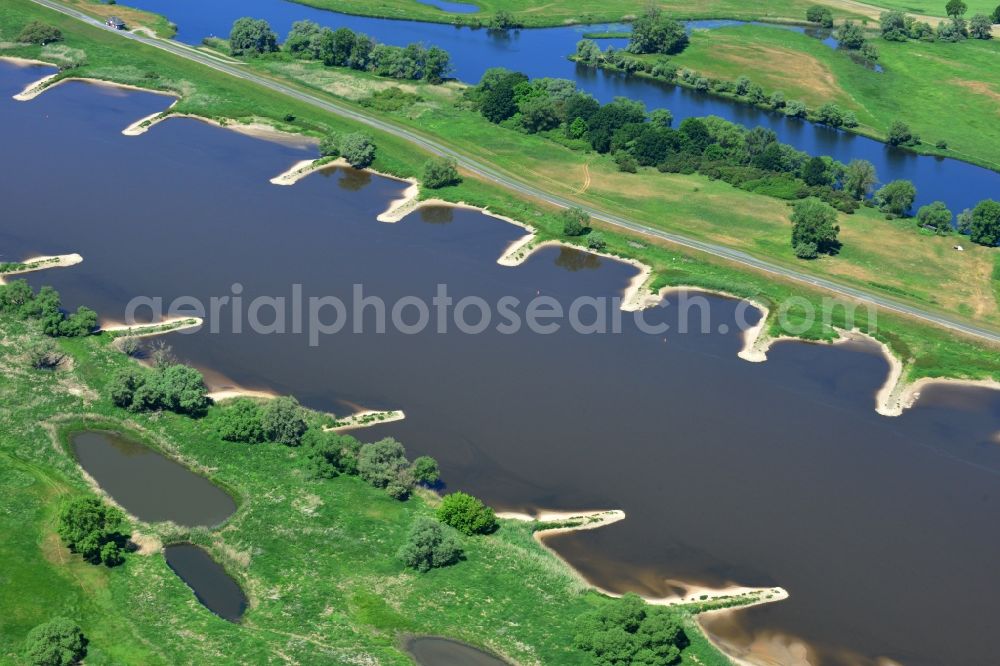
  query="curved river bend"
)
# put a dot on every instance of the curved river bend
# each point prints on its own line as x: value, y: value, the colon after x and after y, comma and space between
x: 541, y: 52
x: 778, y: 473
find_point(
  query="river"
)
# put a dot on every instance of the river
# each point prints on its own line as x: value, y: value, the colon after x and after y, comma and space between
x: 778, y: 473
x: 541, y: 52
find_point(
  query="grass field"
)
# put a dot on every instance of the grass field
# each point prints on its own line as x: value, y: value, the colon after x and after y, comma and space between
x: 317, y: 558
x: 960, y: 77
x: 559, y: 12
x: 879, y: 255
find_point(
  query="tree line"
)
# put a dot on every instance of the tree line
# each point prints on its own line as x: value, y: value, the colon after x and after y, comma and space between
x: 341, y: 48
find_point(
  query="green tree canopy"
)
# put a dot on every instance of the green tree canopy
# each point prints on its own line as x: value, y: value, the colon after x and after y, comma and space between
x: 283, y: 421
x: 655, y: 32
x: 430, y: 545
x: 39, y: 33
x: 358, y: 149
x: 850, y: 35
x: 935, y: 216
x: 467, y: 514
x: 250, y: 36
x: 859, y: 178
x: 956, y: 8
x: 629, y: 631
x: 440, y: 172
x: 383, y: 464
x: 981, y: 27
x: 896, y: 198
x: 984, y: 224
x: 814, y: 223
x: 58, y: 642
x: 94, y: 530
x: 425, y: 470
x: 820, y: 14
x: 239, y: 420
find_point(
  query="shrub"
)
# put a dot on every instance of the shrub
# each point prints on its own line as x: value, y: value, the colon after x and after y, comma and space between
x: 467, y: 514
x: 44, y: 354
x: 895, y: 198
x: 820, y: 14
x: 441, y: 171
x: 383, y: 464
x: 626, y: 162
x: 900, y: 135
x: 655, y: 32
x: 94, y: 530
x: 425, y: 470
x: 177, y: 388
x: 358, y: 149
x: 39, y: 33
x: 814, y: 222
x: 282, y: 421
x: 981, y: 27
x: 503, y: 20
x: 429, y: 545
x: 240, y: 421
x: 595, y: 241
x: 329, y: 454
x: 58, y: 642
x: 983, y: 224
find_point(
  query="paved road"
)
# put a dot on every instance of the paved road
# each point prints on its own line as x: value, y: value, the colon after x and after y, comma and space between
x: 239, y: 71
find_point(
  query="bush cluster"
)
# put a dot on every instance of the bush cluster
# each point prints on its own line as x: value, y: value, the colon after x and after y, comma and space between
x: 629, y: 631
x: 58, y: 642
x: 171, y: 387
x: 94, y: 530
x: 467, y: 514
x: 18, y: 298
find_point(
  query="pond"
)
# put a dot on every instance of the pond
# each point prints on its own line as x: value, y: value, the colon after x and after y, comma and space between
x: 149, y: 485
x: 778, y: 473
x: 214, y: 588
x: 435, y: 651
x: 542, y: 52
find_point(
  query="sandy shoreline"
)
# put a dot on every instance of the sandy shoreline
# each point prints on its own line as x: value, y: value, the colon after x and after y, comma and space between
x: 25, y: 62
x: 43, y: 263
x: 169, y: 325
x: 303, y: 168
x: 33, y: 90
x: 366, y: 419
x: 589, y: 520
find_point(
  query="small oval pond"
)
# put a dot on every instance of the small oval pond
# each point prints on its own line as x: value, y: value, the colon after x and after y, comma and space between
x: 149, y: 485
x: 214, y: 588
x: 437, y: 651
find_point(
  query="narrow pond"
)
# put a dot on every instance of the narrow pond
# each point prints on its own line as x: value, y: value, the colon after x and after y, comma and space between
x: 435, y: 651
x: 213, y: 587
x: 541, y: 52
x: 778, y: 473
x: 149, y: 485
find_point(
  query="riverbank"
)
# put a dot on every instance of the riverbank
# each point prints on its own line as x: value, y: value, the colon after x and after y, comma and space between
x: 281, y: 516
x: 33, y: 264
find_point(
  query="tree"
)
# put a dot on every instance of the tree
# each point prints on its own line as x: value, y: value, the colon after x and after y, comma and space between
x: 953, y: 31
x: 830, y: 114
x: 58, y: 642
x: 358, y: 149
x: 329, y: 145
x: 893, y: 26
x: 282, y: 421
x: 996, y: 15
x: 815, y: 223
x: 251, y: 36
x: 901, y: 135
x: 859, y: 178
x: 935, y: 216
x: 425, y: 470
x: 383, y: 464
x: 956, y: 8
x: 850, y: 35
x: 240, y: 421
x: 437, y: 65
x: 496, y: 93
x: 795, y: 109
x: 595, y: 241
x: 588, y: 52
x: 628, y: 631
x: 777, y: 100
x: 467, y: 514
x: 984, y: 225
x: 814, y: 172
x: 39, y: 33
x: 429, y: 545
x: 655, y: 32
x: 576, y: 222
x: 981, y: 27
x: 88, y: 527
x: 182, y: 389
x: 440, y: 172
x: 869, y: 52
x: 626, y: 162
x: 329, y: 454
x: 895, y: 198
x: 304, y: 40
x: 502, y: 21
x: 820, y: 14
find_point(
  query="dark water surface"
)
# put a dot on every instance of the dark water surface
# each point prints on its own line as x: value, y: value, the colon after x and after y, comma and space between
x: 434, y: 651
x: 213, y: 587
x: 541, y: 52
x: 882, y: 530
x: 150, y: 486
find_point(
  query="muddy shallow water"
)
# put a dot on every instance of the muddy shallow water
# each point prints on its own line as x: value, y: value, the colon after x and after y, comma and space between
x: 778, y: 473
